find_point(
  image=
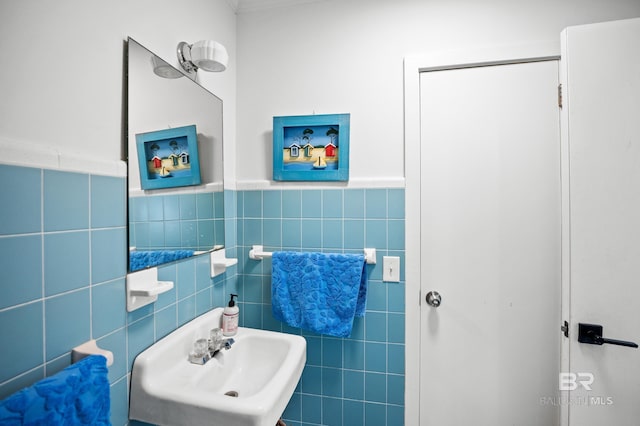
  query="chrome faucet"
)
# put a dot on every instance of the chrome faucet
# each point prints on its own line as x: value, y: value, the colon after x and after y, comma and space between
x: 205, y: 349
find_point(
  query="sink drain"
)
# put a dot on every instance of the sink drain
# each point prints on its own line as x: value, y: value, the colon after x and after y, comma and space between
x: 233, y: 394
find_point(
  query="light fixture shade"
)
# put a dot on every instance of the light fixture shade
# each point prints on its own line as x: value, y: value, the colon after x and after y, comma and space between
x: 163, y: 69
x: 209, y: 55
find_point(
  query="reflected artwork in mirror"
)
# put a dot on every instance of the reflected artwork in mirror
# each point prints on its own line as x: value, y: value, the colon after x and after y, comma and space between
x: 172, y: 223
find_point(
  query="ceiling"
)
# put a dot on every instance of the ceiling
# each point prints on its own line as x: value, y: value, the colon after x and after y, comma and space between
x: 243, y: 6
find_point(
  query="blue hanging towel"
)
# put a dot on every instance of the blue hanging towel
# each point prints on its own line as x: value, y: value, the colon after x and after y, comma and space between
x: 78, y: 395
x: 319, y: 292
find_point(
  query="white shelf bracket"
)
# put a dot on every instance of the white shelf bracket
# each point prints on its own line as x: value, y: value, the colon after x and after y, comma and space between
x: 143, y: 288
x: 220, y: 262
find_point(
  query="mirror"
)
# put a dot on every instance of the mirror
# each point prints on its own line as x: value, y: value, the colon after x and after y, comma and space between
x: 172, y: 222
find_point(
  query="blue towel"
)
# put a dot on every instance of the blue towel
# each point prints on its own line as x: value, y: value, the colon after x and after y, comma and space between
x: 78, y: 395
x: 318, y: 292
x: 146, y: 259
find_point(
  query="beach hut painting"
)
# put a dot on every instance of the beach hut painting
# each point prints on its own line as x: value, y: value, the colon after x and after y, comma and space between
x: 166, y: 158
x: 312, y: 147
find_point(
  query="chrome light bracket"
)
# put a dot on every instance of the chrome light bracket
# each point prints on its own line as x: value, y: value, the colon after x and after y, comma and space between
x: 184, y: 57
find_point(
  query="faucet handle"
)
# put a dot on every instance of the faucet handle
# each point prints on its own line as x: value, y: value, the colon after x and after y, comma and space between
x: 200, y: 347
x: 200, y: 354
x: 215, y: 335
x: 216, y: 341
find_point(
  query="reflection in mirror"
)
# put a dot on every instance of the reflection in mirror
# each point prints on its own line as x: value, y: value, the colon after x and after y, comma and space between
x: 172, y: 223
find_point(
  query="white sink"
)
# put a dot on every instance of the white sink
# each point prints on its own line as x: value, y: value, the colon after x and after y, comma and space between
x: 249, y: 384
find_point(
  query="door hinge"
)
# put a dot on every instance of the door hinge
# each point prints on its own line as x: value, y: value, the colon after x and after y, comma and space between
x: 565, y: 329
x: 560, y: 95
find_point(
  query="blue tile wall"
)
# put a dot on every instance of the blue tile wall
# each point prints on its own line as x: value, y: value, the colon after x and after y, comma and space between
x: 63, y: 253
x: 21, y: 209
x: 66, y: 200
x: 177, y: 221
x: 353, y: 381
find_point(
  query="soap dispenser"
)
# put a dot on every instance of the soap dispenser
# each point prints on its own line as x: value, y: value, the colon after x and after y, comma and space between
x: 230, y: 318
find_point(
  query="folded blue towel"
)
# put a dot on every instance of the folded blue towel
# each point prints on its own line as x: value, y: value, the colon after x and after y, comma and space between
x: 146, y: 259
x: 78, y: 395
x: 318, y: 292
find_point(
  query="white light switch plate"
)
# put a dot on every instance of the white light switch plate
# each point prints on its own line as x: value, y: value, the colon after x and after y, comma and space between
x: 391, y: 269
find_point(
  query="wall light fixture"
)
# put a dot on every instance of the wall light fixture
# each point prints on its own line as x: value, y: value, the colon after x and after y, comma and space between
x: 208, y: 55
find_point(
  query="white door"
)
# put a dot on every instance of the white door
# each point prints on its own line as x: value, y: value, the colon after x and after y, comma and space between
x: 601, y: 190
x: 490, y: 245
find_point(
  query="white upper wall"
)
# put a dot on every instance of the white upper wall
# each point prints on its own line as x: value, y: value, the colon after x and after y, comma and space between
x: 63, y: 72
x: 63, y: 66
x: 338, y: 56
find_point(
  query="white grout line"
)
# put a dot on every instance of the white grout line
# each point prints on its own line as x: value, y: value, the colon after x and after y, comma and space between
x: 42, y: 295
x: 90, y: 258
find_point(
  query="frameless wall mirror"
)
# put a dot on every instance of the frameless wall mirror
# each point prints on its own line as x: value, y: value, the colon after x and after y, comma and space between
x: 168, y: 220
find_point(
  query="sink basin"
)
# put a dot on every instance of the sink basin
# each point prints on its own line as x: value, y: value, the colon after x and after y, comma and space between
x: 249, y: 384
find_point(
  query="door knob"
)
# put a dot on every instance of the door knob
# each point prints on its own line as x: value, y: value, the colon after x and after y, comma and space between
x: 592, y: 334
x: 434, y: 299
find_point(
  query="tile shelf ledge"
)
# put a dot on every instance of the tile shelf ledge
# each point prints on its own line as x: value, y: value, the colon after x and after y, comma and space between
x: 220, y: 262
x: 143, y: 288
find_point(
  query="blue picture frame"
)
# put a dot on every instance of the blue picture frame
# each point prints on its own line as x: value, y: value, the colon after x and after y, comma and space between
x: 168, y: 158
x: 311, y: 147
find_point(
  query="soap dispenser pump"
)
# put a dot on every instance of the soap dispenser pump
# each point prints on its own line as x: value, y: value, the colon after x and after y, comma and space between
x: 230, y: 318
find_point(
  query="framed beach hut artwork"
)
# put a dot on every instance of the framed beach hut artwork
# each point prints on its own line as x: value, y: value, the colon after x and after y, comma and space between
x: 311, y: 147
x: 168, y: 158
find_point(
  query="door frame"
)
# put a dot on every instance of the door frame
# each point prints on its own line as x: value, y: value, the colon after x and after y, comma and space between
x: 413, y: 66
